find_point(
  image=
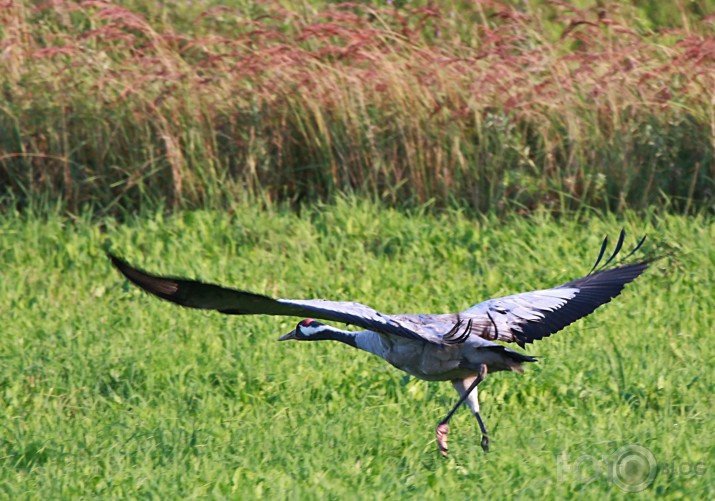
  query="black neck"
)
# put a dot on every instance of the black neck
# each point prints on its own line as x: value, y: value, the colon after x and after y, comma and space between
x: 332, y: 334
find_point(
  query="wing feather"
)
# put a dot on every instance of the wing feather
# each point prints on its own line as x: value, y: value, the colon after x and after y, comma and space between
x: 520, y: 318
x: 195, y: 294
x: 530, y: 316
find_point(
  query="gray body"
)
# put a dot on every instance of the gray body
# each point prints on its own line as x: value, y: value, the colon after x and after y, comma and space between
x: 439, y: 362
x: 459, y: 347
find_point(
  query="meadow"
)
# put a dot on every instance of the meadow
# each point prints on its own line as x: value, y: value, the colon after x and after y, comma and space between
x: 414, y: 156
x: 108, y: 393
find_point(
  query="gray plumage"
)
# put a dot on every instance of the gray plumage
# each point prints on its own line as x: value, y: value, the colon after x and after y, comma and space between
x: 459, y: 347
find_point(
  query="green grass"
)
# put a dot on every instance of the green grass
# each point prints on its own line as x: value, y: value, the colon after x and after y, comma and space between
x: 106, y: 392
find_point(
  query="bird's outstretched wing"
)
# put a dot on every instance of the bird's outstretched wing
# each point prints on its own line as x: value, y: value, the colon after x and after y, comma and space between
x: 195, y: 294
x: 529, y: 316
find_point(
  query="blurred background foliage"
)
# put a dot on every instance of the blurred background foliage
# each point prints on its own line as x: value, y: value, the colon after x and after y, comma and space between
x: 489, y: 106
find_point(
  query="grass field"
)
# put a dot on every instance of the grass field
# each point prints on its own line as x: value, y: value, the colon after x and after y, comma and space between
x: 106, y: 392
x: 503, y: 131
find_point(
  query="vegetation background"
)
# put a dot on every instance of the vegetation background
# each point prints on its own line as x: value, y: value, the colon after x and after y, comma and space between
x: 414, y: 156
x: 491, y: 106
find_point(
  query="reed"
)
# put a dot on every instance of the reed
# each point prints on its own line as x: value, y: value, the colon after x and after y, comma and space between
x: 481, y: 105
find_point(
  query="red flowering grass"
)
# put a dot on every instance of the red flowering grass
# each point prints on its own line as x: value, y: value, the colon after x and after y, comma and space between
x: 487, y: 106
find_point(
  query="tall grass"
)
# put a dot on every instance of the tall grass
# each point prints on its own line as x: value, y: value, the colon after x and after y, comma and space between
x: 124, y: 105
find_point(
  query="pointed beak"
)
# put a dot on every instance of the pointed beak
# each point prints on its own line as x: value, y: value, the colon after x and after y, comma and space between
x: 290, y: 335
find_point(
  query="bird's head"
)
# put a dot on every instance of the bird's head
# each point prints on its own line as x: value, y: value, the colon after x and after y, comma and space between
x: 306, y: 330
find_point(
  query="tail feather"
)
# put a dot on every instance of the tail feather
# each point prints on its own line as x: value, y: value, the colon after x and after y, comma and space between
x: 508, y: 359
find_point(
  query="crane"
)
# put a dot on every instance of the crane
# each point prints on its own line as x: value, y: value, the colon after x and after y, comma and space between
x: 457, y: 347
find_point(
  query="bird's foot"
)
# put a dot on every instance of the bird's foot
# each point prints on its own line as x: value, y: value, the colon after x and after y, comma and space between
x: 442, y: 430
x: 485, y: 443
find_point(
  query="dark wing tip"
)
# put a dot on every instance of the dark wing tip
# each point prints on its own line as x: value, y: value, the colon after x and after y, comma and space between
x: 165, y: 288
x: 594, y: 291
x: 616, y: 252
x: 200, y: 295
x: 119, y: 263
x: 600, y: 254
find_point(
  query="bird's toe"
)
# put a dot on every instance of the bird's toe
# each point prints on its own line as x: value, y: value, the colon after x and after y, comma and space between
x: 485, y: 443
x: 442, y: 431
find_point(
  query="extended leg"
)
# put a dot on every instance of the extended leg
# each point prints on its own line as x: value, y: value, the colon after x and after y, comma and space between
x: 474, y: 405
x: 467, y: 391
x: 485, y: 437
